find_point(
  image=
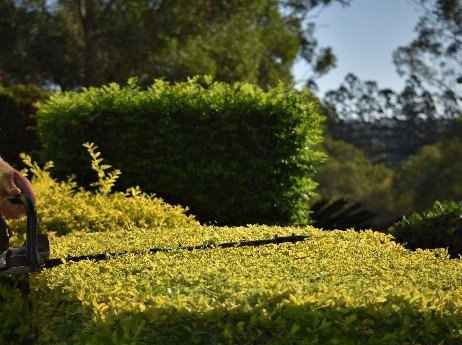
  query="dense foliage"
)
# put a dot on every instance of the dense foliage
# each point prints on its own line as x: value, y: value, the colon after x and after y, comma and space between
x: 63, y: 207
x: 334, y: 288
x: 15, y: 321
x: 234, y: 154
x: 69, y: 44
x: 432, y: 174
x: 441, y: 227
x: 349, y: 174
x: 17, y: 120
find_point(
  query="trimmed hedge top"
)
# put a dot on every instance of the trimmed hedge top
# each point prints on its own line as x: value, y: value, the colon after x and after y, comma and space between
x: 234, y: 154
x: 335, y: 288
x: 135, y: 239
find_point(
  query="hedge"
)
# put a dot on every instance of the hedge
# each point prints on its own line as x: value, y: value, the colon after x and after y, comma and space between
x: 337, y: 287
x: 15, y: 317
x: 64, y: 207
x: 17, y: 121
x: 441, y: 227
x: 234, y: 154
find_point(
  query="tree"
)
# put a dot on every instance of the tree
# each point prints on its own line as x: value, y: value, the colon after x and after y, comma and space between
x: 365, y: 101
x: 73, y: 43
x: 301, y: 14
x: 357, y: 100
x: 17, y: 25
x: 434, y: 58
x: 349, y: 174
x: 387, y: 125
x: 433, y: 174
x: 432, y: 64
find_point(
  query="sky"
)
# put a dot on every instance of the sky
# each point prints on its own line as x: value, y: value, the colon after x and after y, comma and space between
x: 363, y: 37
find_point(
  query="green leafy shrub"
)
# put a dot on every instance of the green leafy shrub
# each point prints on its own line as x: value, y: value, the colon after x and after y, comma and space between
x: 334, y: 288
x: 63, y: 207
x: 234, y: 154
x: 439, y: 228
x: 338, y: 287
x: 15, y: 316
x: 17, y: 120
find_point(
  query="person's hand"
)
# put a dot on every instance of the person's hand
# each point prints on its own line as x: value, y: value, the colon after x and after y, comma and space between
x: 12, y: 183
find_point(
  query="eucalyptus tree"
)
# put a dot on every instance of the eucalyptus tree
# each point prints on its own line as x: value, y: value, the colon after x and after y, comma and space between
x: 434, y: 57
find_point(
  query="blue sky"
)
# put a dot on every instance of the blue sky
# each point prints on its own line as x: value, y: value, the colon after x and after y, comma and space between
x: 363, y: 37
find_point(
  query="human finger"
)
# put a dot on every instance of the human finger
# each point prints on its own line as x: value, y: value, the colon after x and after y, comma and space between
x: 8, y: 183
x: 24, y: 184
x: 10, y: 210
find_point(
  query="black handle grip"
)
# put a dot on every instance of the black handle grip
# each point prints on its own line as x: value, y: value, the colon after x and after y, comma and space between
x: 32, y: 228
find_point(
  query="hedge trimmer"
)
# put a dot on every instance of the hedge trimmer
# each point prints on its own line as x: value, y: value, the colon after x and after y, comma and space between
x: 34, y: 255
x: 35, y: 250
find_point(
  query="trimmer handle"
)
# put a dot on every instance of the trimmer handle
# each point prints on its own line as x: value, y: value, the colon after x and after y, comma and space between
x: 32, y: 253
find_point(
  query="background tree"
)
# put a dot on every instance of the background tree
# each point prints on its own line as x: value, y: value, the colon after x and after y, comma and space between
x: 433, y: 174
x: 302, y: 14
x: 387, y: 125
x: 434, y: 58
x: 349, y: 174
x: 358, y: 100
x: 73, y: 43
x: 365, y: 101
x: 17, y: 31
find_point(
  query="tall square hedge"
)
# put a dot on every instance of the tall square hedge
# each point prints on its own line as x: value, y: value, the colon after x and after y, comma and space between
x: 233, y: 153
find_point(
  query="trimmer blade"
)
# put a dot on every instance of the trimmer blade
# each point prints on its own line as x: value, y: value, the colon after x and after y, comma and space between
x: 43, y: 245
x: 15, y: 270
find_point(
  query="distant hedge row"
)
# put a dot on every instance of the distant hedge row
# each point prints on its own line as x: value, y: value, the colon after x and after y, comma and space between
x: 17, y: 121
x: 234, y: 154
x: 441, y: 227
